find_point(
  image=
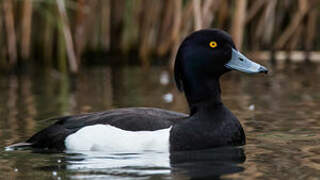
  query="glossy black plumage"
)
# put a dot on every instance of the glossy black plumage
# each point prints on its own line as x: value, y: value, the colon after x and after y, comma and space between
x: 197, y: 70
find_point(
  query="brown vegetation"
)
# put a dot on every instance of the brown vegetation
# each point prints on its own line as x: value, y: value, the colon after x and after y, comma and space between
x: 59, y: 32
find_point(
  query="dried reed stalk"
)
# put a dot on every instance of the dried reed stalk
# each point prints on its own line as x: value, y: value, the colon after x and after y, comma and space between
x: 238, y: 22
x: 175, y: 37
x: 293, y: 43
x: 48, y: 40
x: 105, y: 24
x: 164, y: 37
x: 26, y: 29
x: 254, y: 9
x: 117, y: 9
x: 148, y: 30
x: 79, y: 35
x: 208, y: 9
x: 197, y: 14
x: 68, y: 37
x: 223, y: 14
x: 91, y: 25
x: 295, y: 22
x: 311, y: 28
x: 10, y: 31
x: 270, y: 16
x: 266, y: 23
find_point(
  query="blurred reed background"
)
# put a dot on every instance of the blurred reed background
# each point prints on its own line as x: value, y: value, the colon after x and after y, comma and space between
x: 58, y: 33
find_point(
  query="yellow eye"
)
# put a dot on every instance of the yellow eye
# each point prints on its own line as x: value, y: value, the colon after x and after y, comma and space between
x: 213, y: 44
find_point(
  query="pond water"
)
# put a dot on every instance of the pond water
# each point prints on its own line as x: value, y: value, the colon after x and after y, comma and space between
x: 280, y: 113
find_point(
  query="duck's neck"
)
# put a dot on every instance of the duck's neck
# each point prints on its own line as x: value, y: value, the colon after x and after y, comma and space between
x: 203, y: 94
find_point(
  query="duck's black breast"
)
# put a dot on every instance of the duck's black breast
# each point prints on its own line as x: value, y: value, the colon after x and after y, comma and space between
x: 207, y: 129
x: 131, y: 119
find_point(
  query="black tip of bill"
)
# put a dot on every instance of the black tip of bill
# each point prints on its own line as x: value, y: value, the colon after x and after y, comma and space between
x: 263, y: 70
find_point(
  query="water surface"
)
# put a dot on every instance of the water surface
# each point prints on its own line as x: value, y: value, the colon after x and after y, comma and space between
x: 280, y: 113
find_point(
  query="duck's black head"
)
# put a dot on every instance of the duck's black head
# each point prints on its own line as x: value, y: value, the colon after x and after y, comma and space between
x: 203, y: 57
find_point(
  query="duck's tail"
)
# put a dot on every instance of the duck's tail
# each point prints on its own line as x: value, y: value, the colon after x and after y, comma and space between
x: 20, y: 145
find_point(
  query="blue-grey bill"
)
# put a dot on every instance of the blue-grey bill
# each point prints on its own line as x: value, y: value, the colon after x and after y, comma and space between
x: 241, y: 63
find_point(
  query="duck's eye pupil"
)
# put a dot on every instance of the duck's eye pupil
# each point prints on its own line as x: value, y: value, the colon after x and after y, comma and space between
x: 241, y: 59
x: 213, y: 44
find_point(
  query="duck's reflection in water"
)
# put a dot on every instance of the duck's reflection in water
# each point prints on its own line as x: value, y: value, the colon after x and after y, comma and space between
x: 212, y: 163
x: 121, y: 163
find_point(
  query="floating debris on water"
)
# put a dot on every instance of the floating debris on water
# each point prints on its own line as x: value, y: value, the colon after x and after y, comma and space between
x: 251, y: 107
x: 168, y: 98
x: 164, y: 78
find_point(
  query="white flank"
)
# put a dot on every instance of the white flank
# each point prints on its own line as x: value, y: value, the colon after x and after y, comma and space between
x: 109, y: 138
